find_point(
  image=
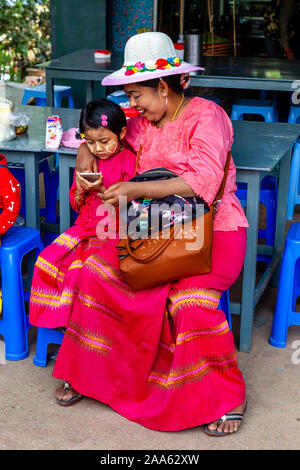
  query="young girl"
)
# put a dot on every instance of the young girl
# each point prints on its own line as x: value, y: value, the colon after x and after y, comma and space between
x: 57, y: 270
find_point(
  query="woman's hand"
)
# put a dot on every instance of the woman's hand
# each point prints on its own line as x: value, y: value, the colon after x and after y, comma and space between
x: 85, y: 160
x: 128, y: 189
x: 85, y: 185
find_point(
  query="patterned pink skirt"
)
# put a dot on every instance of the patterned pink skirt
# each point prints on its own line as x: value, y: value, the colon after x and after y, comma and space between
x: 162, y: 357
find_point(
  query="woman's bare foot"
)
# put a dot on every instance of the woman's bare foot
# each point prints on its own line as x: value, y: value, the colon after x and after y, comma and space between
x: 66, y: 395
x: 227, y: 424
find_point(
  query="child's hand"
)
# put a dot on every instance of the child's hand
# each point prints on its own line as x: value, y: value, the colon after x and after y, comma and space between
x: 124, y: 188
x: 84, y: 184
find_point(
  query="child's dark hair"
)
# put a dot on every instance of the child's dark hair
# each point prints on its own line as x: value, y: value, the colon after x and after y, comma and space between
x: 91, y: 116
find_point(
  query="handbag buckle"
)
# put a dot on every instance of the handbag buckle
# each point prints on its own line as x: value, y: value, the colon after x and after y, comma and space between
x: 216, y: 205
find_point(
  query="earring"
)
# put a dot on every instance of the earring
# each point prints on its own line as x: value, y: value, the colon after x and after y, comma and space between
x: 164, y: 94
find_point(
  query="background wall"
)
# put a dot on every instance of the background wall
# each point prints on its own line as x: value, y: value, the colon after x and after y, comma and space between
x: 128, y: 18
x: 78, y: 25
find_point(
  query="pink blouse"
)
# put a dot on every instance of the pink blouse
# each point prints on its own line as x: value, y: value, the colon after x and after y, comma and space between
x: 195, y: 147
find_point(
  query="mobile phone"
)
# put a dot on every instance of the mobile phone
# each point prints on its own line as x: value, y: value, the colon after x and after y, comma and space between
x: 91, y: 177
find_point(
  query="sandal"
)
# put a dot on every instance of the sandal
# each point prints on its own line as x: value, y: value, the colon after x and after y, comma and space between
x: 72, y: 400
x: 226, y: 417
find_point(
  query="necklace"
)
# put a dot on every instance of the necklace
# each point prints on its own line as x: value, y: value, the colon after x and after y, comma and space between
x: 178, y: 108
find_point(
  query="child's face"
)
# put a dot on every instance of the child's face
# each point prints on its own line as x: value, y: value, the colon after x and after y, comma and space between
x: 102, y: 142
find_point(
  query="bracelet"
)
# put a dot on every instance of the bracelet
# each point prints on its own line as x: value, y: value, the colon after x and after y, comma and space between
x: 78, y: 198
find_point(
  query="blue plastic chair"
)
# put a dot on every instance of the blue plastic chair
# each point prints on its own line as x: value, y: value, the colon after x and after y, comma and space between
x: 45, y: 337
x: 294, y: 114
x: 265, y: 108
x: 16, y: 243
x: 225, y: 306
x: 39, y: 92
x: 48, y: 336
x: 213, y: 98
x: 288, y: 289
x: 19, y: 173
x: 294, y: 183
x: 268, y: 197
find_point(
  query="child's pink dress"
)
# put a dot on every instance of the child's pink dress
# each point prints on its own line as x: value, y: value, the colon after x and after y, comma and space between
x: 56, y: 271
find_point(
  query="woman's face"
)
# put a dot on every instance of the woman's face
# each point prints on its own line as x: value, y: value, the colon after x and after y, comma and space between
x: 150, y: 102
x: 102, y: 142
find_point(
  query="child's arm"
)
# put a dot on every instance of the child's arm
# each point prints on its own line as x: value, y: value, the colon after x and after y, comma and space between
x: 77, y: 194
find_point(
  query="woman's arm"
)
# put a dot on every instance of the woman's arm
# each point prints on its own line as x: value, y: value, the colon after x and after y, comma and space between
x: 85, y: 160
x: 153, y: 190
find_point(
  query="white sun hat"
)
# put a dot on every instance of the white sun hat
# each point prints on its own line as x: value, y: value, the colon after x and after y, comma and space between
x: 147, y: 56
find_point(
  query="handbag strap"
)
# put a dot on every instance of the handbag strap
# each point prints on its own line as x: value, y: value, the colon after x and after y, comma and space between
x: 219, y: 195
x: 226, y: 169
x: 138, y: 160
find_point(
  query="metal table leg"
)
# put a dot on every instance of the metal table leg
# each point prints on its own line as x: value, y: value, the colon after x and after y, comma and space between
x: 65, y: 163
x: 249, y: 273
x: 282, y: 201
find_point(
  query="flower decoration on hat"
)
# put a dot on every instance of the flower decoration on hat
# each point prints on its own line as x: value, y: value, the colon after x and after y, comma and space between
x: 151, y: 66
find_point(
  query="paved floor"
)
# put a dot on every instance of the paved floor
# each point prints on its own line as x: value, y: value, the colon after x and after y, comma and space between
x: 30, y: 418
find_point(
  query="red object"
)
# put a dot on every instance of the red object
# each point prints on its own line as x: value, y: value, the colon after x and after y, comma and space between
x: 130, y: 112
x: 10, y: 199
x: 179, y: 46
x: 103, y: 51
x: 161, y: 63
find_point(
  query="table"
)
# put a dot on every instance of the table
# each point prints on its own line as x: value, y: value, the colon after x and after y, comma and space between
x: 220, y: 72
x: 29, y: 149
x: 258, y: 147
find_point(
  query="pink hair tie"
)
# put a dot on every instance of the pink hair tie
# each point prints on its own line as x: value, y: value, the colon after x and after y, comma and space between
x: 103, y: 120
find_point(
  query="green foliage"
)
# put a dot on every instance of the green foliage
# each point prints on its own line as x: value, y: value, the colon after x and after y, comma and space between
x: 24, y: 35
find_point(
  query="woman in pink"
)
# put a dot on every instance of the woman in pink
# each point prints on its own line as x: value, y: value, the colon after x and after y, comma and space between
x: 163, y: 357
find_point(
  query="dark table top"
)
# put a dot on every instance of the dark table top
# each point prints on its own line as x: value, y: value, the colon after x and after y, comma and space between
x: 229, y: 72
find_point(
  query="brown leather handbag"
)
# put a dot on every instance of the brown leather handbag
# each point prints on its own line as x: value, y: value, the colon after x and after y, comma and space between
x: 185, y: 252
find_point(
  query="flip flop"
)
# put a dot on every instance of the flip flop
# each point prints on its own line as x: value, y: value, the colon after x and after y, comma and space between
x: 226, y: 417
x: 72, y: 400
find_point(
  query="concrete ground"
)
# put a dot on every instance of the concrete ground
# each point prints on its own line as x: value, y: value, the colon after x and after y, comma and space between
x: 30, y: 419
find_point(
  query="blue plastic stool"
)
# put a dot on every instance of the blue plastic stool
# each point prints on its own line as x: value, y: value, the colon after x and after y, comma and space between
x: 51, y: 201
x: 212, y: 98
x: 293, y: 194
x: 45, y: 337
x: 294, y: 114
x: 268, y: 197
x: 225, y: 306
x: 16, y: 243
x: 288, y: 289
x: 265, y: 108
x: 39, y: 92
x: 19, y: 173
x: 119, y: 97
